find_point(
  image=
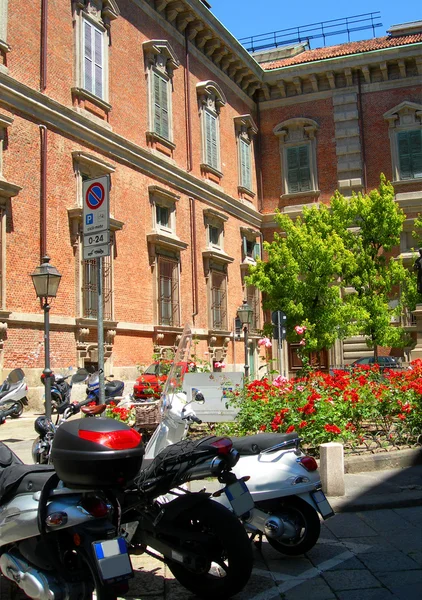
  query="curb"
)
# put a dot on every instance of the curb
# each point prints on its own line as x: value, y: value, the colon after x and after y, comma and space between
x: 375, y: 502
x: 382, y: 461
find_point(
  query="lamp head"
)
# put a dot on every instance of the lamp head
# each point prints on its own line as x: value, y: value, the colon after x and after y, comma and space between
x: 46, y: 279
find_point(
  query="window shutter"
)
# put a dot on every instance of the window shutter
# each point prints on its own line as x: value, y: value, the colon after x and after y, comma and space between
x: 257, y: 250
x: 164, y: 108
x: 404, y: 155
x: 415, y: 143
x: 293, y: 170
x: 98, y: 73
x: 304, y: 171
x: 245, y: 164
x: 211, y: 158
x: 245, y: 247
x: 88, y: 56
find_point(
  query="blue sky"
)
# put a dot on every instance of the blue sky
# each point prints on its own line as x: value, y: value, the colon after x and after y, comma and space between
x: 253, y: 17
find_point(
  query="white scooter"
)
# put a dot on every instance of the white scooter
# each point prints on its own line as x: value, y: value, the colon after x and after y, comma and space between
x: 284, y: 482
x: 13, y: 398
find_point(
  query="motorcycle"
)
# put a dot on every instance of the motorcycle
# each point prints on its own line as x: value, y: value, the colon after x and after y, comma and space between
x: 284, y: 482
x: 61, y: 389
x: 59, y: 525
x: 113, y: 388
x: 13, y: 398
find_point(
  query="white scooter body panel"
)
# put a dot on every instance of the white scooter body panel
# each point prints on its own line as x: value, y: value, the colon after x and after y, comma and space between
x: 276, y: 474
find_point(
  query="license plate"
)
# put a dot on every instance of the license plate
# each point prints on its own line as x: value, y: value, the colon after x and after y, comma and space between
x: 322, y: 503
x: 113, y: 560
x: 239, y: 497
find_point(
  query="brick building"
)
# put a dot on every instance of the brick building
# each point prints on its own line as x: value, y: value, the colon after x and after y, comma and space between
x: 201, y: 141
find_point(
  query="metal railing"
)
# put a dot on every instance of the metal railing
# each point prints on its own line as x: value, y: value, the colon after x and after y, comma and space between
x: 313, y: 31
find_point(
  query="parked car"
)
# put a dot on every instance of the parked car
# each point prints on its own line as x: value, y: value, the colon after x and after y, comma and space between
x: 385, y: 362
x: 150, y: 384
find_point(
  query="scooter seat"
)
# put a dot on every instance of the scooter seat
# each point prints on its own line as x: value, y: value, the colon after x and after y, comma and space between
x: 21, y: 479
x: 254, y: 444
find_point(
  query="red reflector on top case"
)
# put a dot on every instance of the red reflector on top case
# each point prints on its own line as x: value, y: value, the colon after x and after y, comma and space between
x: 115, y: 440
x: 223, y: 445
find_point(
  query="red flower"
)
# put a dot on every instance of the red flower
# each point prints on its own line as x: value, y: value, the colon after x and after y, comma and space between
x: 303, y: 424
x: 332, y: 428
x: 402, y: 416
x: 290, y: 429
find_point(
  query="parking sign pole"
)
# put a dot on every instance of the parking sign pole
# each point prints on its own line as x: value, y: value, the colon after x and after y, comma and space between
x: 100, y: 317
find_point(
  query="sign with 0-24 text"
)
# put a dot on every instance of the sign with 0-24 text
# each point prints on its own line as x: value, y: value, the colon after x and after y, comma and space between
x: 96, y: 217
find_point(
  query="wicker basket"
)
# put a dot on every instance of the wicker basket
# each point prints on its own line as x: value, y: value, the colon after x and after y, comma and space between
x: 147, y: 415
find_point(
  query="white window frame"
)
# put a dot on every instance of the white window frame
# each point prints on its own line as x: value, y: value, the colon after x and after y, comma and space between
x: 246, y: 130
x: 210, y: 101
x: 405, y: 117
x: 97, y: 34
x: 295, y: 133
x: 161, y: 197
x: 160, y: 61
x: 215, y: 220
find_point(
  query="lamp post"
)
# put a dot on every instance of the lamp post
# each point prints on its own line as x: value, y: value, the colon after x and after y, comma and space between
x: 46, y: 279
x: 245, y: 314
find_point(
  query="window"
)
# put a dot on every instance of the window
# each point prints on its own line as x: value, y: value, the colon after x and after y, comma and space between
x: 214, y: 223
x: 245, y: 131
x: 92, y: 31
x: 298, y: 157
x: 298, y: 171
x: 210, y: 100
x: 218, y: 300
x: 160, y: 64
x: 251, y: 248
x: 405, y: 132
x: 253, y: 298
x: 90, y: 288
x: 93, y: 53
x: 168, y: 282
x: 410, y: 154
x: 162, y: 216
x: 163, y: 204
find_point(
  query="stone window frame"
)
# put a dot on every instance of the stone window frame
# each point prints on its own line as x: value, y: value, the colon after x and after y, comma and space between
x: 210, y: 101
x: 99, y: 14
x: 245, y: 130
x: 7, y: 192
x: 4, y: 46
x: 406, y: 116
x: 294, y: 133
x: 217, y: 270
x: 161, y: 60
x: 159, y: 196
x: 86, y: 165
x: 250, y: 235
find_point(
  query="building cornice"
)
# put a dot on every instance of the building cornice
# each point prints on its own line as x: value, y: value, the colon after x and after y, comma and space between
x: 43, y: 109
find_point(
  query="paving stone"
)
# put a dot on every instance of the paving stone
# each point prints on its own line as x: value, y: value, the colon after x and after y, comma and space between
x: 385, y: 520
x: 411, y: 514
x: 317, y: 589
x: 349, y: 525
x: 350, y: 580
x: 378, y: 562
x: 291, y: 566
x: 373, y: 594
x: 369, y: 544
x: 405, y: 541
x: 395, y: 579
x: 408, y: 592
x: 417, y: 557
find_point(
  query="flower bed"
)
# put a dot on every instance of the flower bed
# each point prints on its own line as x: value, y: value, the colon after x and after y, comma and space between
x: 365, y: 409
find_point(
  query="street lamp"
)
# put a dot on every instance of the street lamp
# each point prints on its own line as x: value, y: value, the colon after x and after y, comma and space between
x: 245, y: 315
x: 46, y: 279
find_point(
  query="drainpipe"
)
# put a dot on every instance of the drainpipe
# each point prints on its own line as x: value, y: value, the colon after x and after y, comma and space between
x: 43, y: 191
x: 43, y: 64
x: 362, y: 134
x: 188, y: 106
x: 192, y: 209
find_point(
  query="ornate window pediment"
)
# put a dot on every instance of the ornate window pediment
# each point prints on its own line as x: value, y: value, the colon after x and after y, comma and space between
x: 210, y: 95
x: 405, y: 131
x: 296, y: 130
x: 407, y: 115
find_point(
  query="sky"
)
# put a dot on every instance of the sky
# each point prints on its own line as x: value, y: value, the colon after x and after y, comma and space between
x: 242, y: 17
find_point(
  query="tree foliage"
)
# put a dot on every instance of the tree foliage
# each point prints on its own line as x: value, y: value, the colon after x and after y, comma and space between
x: 332, y: 270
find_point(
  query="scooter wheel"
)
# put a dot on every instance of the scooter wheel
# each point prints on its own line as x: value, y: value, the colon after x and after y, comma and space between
x: 18, y: 411
x: 228, y: 566
x: 306, y: 523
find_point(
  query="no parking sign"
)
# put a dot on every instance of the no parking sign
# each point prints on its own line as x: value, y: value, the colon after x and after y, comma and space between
x: 96, y: 217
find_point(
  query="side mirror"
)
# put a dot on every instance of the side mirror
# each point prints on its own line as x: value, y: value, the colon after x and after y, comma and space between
x: 197, y: 396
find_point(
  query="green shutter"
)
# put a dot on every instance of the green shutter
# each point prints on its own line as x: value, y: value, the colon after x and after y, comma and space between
x: 161, y: 108
x: 88, y: 59
x: 298, y: 170
x: 415, y: 144
x: 405, y: 163
x: 98, y: 64
x: 211, y: 149
x: 245, y: 165
x: 257, y: 250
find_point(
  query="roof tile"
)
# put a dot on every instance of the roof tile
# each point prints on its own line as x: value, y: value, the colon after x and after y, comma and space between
x: 343, y: 50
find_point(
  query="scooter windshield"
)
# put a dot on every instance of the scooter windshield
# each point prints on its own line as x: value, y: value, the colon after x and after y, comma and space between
x: 174, y: 381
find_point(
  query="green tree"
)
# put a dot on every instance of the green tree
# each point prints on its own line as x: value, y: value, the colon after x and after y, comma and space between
x: 331, y: 270
x: 302, y: 276
x: 417, y: 233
